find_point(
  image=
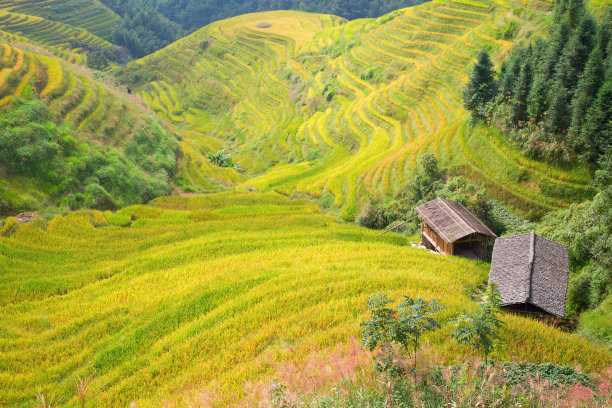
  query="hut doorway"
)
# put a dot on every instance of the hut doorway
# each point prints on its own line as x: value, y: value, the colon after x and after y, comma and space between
x: 470, y: 249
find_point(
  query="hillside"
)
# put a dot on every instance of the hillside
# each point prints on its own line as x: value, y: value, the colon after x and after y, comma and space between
x: 69, y: 139
x: 61, y: 40
x: 346, y: 108
x: 90, y: 15
x: 212, y: 292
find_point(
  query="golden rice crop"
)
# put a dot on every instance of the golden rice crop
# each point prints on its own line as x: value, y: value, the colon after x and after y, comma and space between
x: 198, y: 294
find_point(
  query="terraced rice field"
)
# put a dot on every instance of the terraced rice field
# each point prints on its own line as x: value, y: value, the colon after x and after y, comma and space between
x: 65, y: 41
x: 195, y: 296
x: 98, y: 111
x: 90, y: 15
x: 396, y: 85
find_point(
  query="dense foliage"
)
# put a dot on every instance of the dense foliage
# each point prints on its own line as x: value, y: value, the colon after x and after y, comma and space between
x: 149, y: 25
x: 585, y: 228
x: 553, y: 95
x: 78, y: 173
x: 193, y: 14
x: 143, y: 30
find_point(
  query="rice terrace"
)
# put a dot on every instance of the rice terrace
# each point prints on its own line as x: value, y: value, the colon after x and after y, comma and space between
x: 286, y: 204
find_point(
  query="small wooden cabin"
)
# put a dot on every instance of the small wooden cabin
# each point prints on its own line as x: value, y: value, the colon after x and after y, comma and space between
x: 448, y: 227
x: 532, y: 273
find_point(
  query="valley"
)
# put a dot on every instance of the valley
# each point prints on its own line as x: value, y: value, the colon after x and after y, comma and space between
x: 188, y: 227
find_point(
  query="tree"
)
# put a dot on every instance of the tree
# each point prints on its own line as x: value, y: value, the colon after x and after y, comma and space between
x: 557, y: 115
x: 415, y: 317
x: 521, y: 93
x: 404, y: 326
x: 427, y: 180
x: 482, y: 86
x: 480, y: 329
x: 586, y: 90
x: 596, y: 133
x: 537, y: 99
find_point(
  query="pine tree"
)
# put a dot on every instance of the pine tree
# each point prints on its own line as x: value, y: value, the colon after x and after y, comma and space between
x: 576, y: 53
x: 604, y: 35
x: 537, y: 101
x: 521, y: 92
x: 575, y: 11
x: 596, y: 133
x: 559, y: 9
x: 557, y: 115
x: 558, y: 39
x: 586, y: 90
x: 482, y: 86
x: 511, y: 69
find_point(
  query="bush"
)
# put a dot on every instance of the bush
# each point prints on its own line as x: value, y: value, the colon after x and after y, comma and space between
x: 374, y: 215
x: 264, y: 24
x: 97, y: 197
x: 79, y: 173
x: 222, y: 159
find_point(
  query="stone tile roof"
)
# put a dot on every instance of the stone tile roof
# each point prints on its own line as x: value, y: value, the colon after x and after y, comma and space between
x: 451, y: 220
x: 531, y: 269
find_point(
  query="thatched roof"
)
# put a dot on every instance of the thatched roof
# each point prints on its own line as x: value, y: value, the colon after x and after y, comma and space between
x: 531, y: 269
x: 451, y: 220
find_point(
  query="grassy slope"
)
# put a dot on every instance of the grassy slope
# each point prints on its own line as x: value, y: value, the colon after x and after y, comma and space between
x: 211, y: 292
x: 98, y: 111
x: 397, y: 82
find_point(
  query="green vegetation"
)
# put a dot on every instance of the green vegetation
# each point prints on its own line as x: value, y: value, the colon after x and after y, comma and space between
x: 75, y: 173
x: 69, y: 141
x: 482, y: 86
x: 143, y: 30
x: 222, y: 159
x: 320, y: 106
x: 481, y: 329
x: 196, y: 299
x: 404, y: 326
x: 554, y: 94
x: 466, y: 385
x: 550, y: 101
x: 193, y: 14
x: 195, y: 296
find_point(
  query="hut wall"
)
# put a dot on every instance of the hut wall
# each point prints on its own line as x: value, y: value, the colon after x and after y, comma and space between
x: 433, y: 241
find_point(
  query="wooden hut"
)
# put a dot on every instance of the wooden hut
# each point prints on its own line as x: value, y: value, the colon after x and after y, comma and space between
x: 448, y: 227
x: 532, y: 273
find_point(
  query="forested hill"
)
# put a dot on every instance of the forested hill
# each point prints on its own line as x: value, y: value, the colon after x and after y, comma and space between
x: 193, y: 14
x: 149, y: 25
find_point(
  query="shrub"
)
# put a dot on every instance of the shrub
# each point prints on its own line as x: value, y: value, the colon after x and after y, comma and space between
x: 480, y: 329
x: 76, y: 172
x: 264, y: 24
x: 403, y: 326
x: 374, y: 215
x: 222, y: 159
x: 97, y: 197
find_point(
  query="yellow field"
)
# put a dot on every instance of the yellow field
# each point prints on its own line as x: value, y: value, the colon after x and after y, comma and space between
x: 199, y: 295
